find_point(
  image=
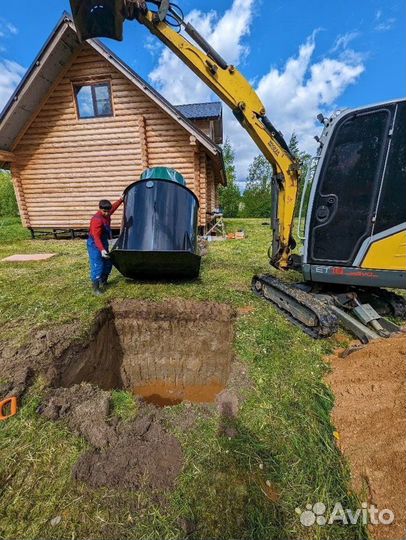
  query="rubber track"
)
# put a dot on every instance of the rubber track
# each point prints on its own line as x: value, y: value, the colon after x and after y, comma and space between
x: 396, y: 302
x: 328, y: 323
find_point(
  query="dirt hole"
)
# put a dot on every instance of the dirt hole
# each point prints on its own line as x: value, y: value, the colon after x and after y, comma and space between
x: 165, y: 353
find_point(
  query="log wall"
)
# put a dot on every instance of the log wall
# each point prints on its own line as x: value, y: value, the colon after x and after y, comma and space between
x: 63, y: 166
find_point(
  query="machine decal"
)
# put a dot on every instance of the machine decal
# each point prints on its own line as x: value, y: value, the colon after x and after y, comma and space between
x: 342, y: 271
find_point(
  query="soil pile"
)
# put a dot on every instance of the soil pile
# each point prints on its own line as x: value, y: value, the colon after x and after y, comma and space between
x: 369, y: 414
x: 85, y: 409
x: 144, y: 456
x: 129, y: 455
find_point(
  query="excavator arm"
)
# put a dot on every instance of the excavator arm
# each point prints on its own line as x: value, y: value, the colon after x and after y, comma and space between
x: 232, y: 88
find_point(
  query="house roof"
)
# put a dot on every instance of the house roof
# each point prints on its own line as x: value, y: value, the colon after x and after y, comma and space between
x: 202, y: 111
x: 50, y: 63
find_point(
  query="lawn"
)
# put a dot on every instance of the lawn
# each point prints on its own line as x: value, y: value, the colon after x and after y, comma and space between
x: 246, y: 487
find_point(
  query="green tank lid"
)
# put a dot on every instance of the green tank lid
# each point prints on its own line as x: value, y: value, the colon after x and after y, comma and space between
x: 163, y: 173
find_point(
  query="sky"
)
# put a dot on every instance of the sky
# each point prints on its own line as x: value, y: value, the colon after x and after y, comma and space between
x: 303, y: 57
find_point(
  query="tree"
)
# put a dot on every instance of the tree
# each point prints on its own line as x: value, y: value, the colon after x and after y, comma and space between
x: 230, y: 196
x: 8, y: 202
x: 257, y: 197
x: 304, y: 160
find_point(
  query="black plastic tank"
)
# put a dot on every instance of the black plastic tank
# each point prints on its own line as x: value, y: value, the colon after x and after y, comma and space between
x: 158, y: 238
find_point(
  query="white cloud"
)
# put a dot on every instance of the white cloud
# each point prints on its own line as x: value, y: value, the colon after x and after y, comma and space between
x: 298, y: 92
x: 293, y: 94
x: 386, y: 25
x: 344, y: 40
x: 383, y: 25
x: 11, y: 28
x: 7, y: 28
x: 10, y: 76
x: 10, y: 71
x: 225, y: 33
x: 152, y: 45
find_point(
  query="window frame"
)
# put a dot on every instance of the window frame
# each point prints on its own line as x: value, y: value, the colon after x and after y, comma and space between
x: 93, y: 84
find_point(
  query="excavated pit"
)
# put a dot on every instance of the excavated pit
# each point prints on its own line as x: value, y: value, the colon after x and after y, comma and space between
x: 164, y: 353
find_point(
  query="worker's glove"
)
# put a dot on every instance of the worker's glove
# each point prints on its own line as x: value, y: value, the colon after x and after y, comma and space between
x: 105, y: 255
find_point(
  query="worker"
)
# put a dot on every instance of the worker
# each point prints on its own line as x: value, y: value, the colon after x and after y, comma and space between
x: 98, y: 244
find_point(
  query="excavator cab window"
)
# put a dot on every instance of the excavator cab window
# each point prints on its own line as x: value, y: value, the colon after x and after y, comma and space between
x: 348, y: 188
x: 98, y: 18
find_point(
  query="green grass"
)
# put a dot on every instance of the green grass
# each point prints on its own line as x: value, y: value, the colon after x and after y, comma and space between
x: 124, y: 405
x: 284, y: 430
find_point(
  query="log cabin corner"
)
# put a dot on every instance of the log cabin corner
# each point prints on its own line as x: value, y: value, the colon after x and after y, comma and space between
x: 82, y: 126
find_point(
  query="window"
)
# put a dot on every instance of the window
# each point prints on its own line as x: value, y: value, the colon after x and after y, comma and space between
x: 349, y: 186
x: 93, y: 100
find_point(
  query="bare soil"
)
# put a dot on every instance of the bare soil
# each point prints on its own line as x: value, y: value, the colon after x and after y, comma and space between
x: 129, y: 455
x: 369, y: 415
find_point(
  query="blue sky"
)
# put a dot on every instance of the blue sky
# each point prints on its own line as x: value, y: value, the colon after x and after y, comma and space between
x: 302, y: 56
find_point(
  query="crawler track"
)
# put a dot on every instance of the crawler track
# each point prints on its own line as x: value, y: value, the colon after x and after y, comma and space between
x: 303, y: 309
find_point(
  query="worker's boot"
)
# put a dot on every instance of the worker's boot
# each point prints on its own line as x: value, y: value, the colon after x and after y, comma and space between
x: 103, y: 282
x: 96, y: 288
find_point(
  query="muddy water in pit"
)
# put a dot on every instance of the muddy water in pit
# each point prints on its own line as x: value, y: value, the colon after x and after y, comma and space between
x: 162, y: 393
x: 165, y: 352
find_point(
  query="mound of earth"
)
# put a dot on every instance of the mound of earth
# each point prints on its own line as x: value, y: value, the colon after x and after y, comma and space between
x: 145, y: 455
x: 125, y: 454
x: 369, y: 414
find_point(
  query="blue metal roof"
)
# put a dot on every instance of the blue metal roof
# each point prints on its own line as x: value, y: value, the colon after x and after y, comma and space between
x: 196, y: 111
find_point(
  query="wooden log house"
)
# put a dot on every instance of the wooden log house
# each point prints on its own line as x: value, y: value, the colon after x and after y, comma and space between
x: 82, y: 126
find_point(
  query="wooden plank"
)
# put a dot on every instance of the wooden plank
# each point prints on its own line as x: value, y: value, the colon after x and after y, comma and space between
x: 202, y: 188
x: 44, y: 100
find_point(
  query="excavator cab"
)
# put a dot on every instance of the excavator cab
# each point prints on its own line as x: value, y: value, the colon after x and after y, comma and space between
x: 355, y: 224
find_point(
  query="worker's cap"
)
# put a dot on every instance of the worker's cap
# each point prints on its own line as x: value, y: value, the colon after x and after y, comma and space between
x: 105, y: 205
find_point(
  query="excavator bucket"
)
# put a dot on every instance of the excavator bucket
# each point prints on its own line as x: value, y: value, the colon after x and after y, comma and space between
x: 98, y: 18
x: 158, y: 238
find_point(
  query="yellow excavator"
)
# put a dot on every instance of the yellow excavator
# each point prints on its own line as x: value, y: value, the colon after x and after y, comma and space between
x: 353, y: 208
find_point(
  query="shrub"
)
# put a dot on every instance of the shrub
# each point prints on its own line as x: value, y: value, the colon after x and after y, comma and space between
x: 8, y: 201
